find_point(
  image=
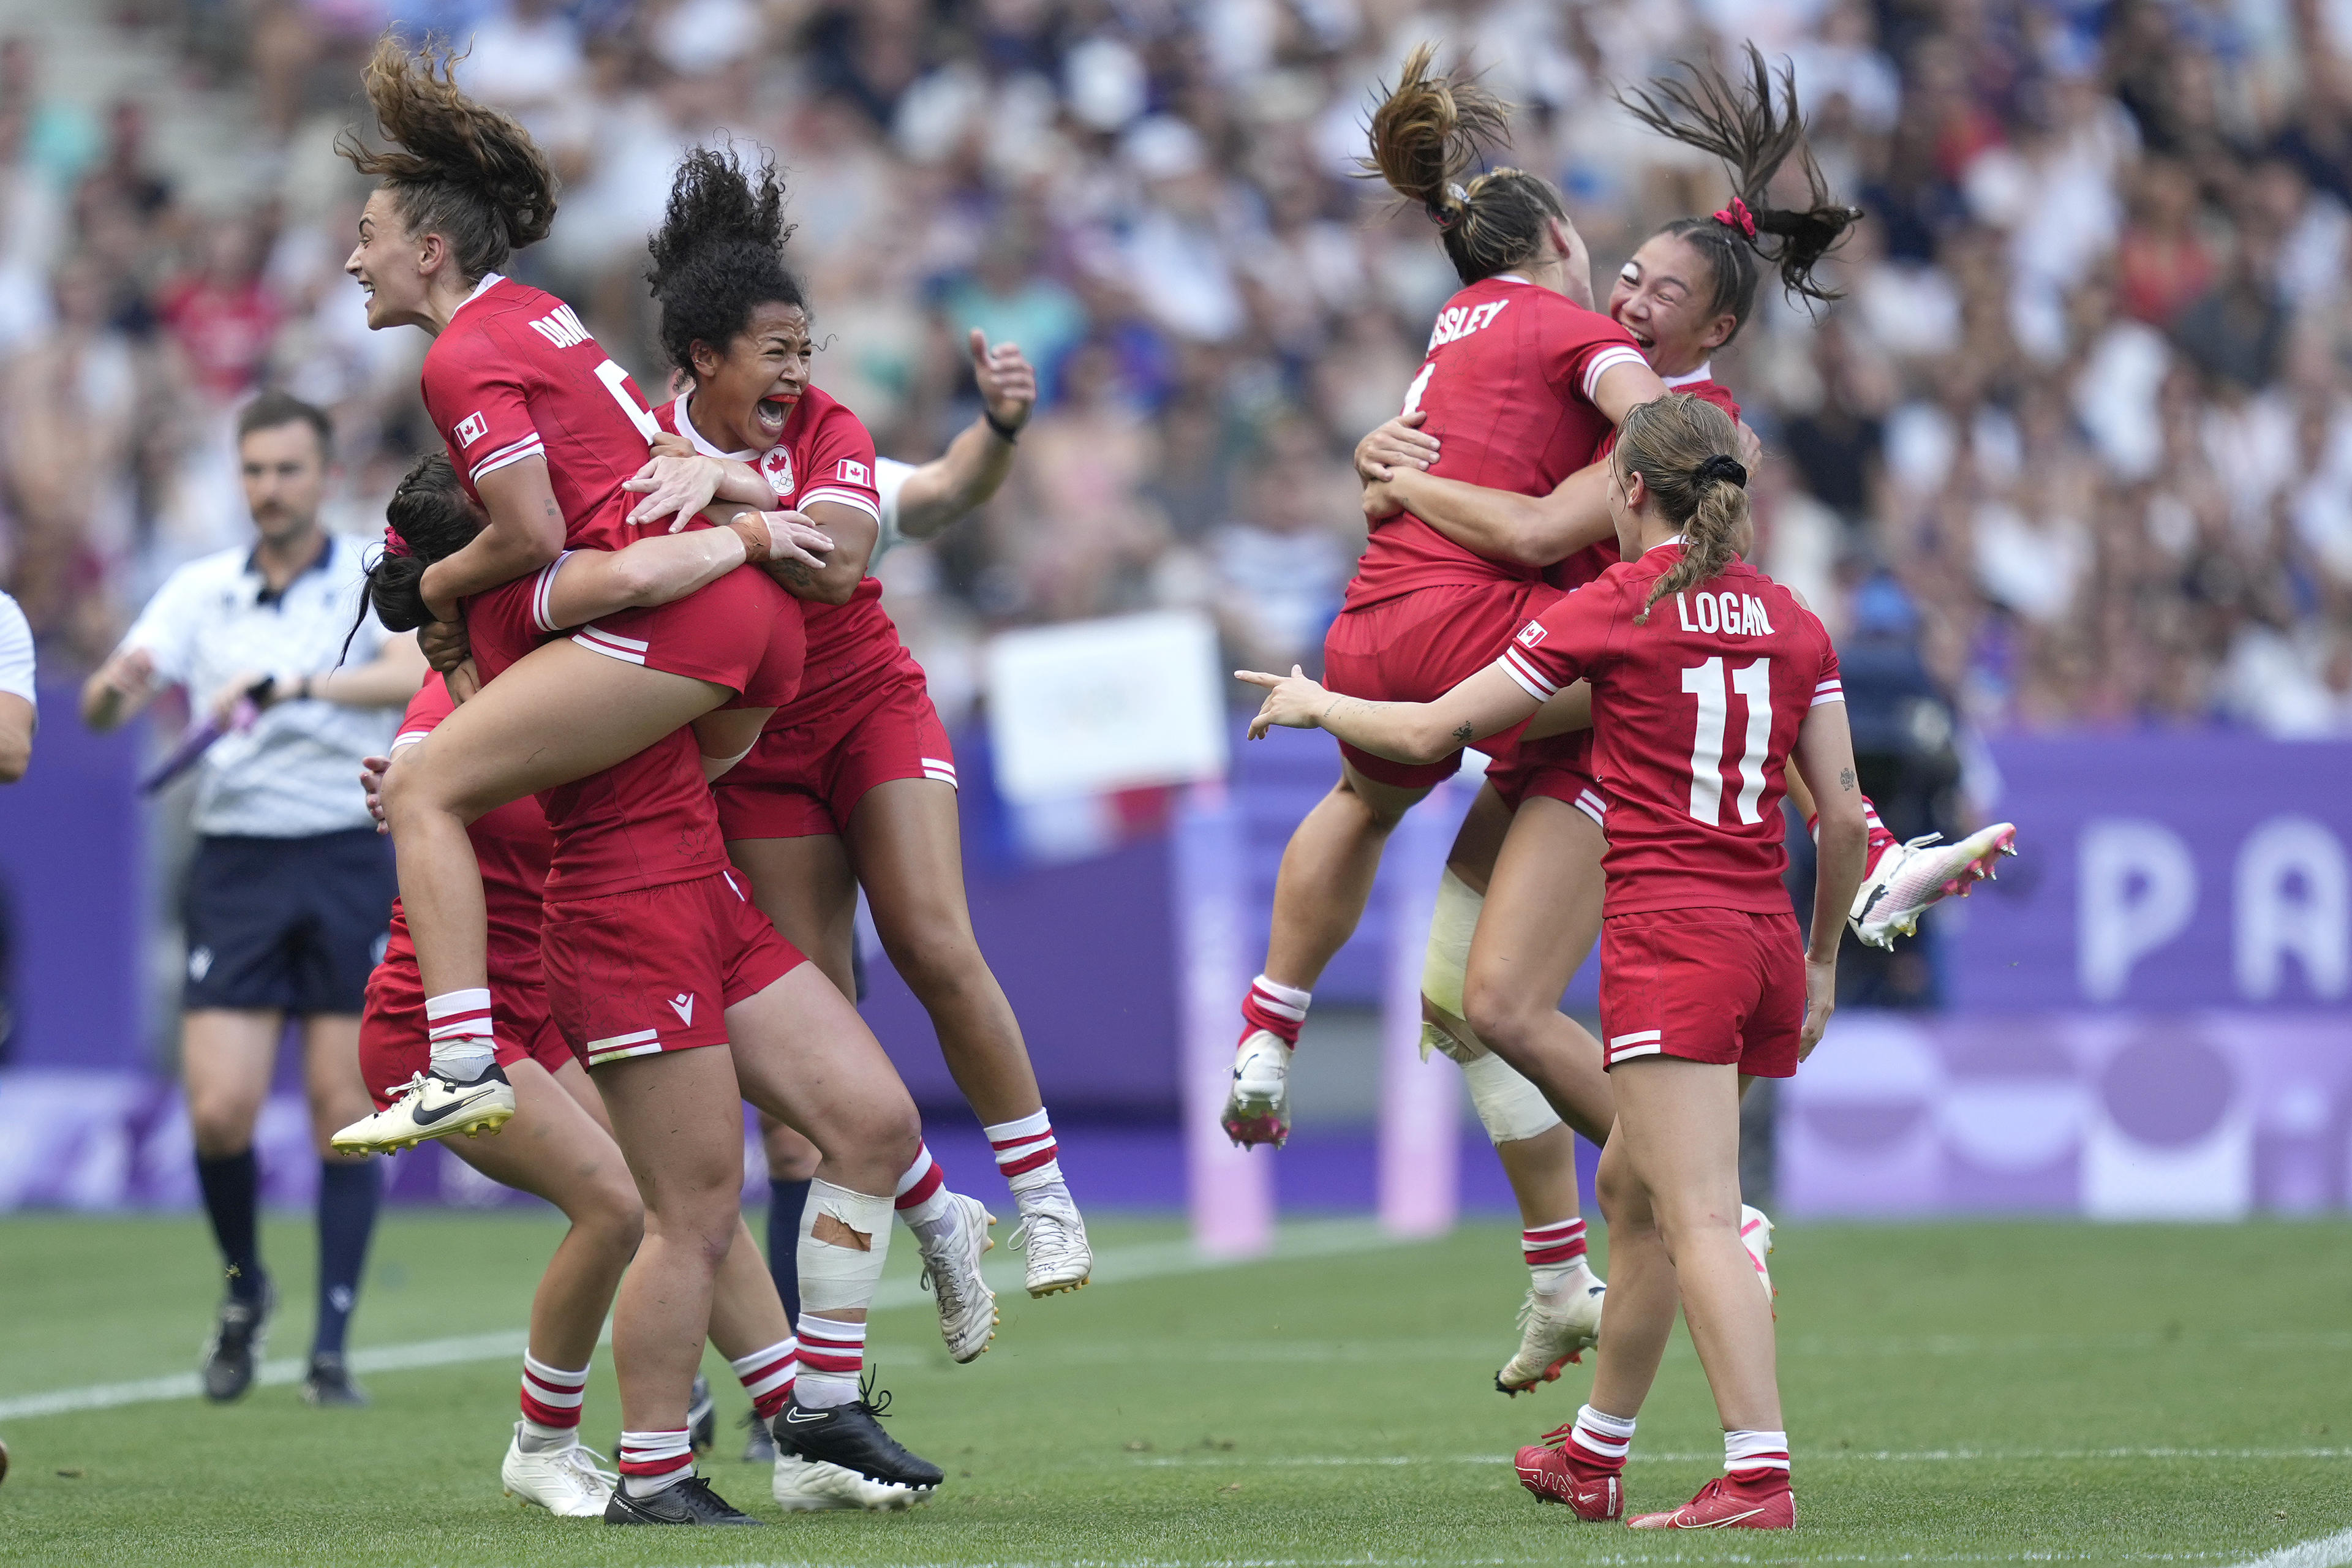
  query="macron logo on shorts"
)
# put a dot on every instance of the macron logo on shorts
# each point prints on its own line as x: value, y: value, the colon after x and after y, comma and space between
x: 852, y: 472
x: 1531, y: 634
x: 683, y: 1006
x: 472, y: 430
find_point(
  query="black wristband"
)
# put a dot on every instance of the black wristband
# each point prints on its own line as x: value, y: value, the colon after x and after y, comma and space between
x: 1011, y: 433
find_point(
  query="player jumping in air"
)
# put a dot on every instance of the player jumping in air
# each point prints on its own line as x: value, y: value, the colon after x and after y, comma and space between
x: 1707, y: 679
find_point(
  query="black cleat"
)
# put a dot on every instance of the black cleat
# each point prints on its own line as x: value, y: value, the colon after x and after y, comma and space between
x: 759, y: 1443
x: 328, y: 1383
x: 841, y: 1458
x: 234, y: 1351
x: 691, y: 1501
x: 701, y: 1416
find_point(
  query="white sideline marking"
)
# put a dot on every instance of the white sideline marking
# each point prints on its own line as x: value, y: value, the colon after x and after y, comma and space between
x: 2327, y: 1552
x: 1115, y: 1265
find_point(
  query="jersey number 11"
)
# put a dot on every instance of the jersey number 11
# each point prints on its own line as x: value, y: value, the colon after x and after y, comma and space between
x: 1707, y: 682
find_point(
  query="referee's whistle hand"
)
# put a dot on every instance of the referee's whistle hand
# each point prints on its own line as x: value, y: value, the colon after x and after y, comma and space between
x: 235, y: 689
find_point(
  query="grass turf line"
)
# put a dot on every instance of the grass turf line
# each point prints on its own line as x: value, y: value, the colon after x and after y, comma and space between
x: 1322, y: 1411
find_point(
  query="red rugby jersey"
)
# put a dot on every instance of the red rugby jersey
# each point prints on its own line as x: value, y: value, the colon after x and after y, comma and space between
x: 1695, y: 714
x: 1508, y: 386
x: 639, y: 824
x: 1575, y: 571
x: 512, y: 844
x: 516, y: 375
x: 824, y: 454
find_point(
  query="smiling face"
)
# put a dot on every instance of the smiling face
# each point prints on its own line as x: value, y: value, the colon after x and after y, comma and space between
x: 742, y: 397
x: 1665, y: 298
x: 390, y: 263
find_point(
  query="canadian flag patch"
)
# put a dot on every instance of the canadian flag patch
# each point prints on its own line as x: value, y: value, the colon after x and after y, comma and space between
x: 471, y: 430
x: 851, y: 472
x: 1530, y: 634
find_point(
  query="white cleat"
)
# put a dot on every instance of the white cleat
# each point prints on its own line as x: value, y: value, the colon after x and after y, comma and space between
x: 1910, y: 879
x: 430, y: 1106
x: 811, y: 1486
x: 565, y: 1481
x: 951, y: 1273
x: 1755, y: 1235
x: 1257, y: 1110
x: 1553, y: 1331
x: 1055, y: 1237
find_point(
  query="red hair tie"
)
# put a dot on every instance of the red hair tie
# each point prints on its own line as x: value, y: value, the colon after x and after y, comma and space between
x: 392, y: 543
x: 1737, y: 216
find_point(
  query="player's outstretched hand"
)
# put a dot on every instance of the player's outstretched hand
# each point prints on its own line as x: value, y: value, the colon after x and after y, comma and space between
x: 1399, y: 444
x: 1292, y: 700
x: 1008, y: 383
x: 1821, y: 1001
x: 675, y: 486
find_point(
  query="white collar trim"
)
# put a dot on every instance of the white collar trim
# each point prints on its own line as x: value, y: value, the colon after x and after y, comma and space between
x: 1511, y: 278
x: 701, y: 444
x: 489, y: 280
x: 1661, y: 544
x: 1704, y: 373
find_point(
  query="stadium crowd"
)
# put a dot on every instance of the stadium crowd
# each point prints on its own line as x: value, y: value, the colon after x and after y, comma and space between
x: 2080, y: 435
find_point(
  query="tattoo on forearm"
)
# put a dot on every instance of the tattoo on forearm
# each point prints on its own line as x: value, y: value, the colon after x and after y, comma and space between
x: 793, y: 572
x: 1846, y: 779
x: 1463, y: 731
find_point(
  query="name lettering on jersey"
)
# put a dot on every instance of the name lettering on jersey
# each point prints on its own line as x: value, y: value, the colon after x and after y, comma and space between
x: 561, y: 328
x: 1531, y: 634
x: 852, y: 472
x: 472, y: 428
x: 1726, y: 614
x: 1464, y: 320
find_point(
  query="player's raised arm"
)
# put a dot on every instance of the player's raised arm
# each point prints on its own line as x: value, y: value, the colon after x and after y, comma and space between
x: 1409, y: 732
x: 960, y: 480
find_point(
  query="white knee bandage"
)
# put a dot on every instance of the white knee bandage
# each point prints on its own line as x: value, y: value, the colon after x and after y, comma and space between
x: 835, y: 1276
x: 1445, y: 963
x: 1509, y: 1107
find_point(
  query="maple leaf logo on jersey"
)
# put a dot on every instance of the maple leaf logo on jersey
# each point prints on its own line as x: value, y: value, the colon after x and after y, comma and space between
x: 1531, y: 634
x: 778, y: 466
x: 472, y: 429
x: 853, y: 473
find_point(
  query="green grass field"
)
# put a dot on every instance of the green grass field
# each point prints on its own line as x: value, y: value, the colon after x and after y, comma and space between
x: 1977, y: 1394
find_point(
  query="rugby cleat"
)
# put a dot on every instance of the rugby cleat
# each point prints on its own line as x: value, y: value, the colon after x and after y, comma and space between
x: 701, y: 1416
x: 430, y: 1106
x: 1594, y: 1493
x: 1910, y: 879
x: 1257, y: 1108
x: 1553, y: 1331
x: 1756, y: 1236
x: 567, y: 1482
x: 1054, y: 1237
x: 1726, y: 1503
x: 951, y: 1273
x: 689, y: 1502
x: 233, y: 1350
x: 840, y: 1457
x: 759, y: 1443
x: 328, y: 1383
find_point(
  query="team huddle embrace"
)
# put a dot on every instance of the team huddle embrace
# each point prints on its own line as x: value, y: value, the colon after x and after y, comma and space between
x: 671, y: 734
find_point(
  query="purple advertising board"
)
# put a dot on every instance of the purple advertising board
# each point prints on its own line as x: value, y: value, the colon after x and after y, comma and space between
x: 2162, y: 870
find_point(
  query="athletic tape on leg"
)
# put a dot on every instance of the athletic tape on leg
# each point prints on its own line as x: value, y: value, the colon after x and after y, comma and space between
x: 1509, y: 1107
x: 835, y: 1277
x: 1445, y: 962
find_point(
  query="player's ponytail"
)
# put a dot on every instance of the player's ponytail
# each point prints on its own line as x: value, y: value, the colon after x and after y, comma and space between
x: 428, y: 517
x: 456, y: 168
x: 1741, y: 124
x: 719, y: 252
x: 1426, y: 134
x: 1683, y: 448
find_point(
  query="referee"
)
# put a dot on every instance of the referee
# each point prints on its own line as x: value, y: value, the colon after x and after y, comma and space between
x: 289, y: 894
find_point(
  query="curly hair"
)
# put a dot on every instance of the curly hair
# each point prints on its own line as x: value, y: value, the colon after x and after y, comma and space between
x: 719, y: 252
x: 1426, y: 134
x: 1685, y: 449
x: 1742, y: 124
x: 455, y: 168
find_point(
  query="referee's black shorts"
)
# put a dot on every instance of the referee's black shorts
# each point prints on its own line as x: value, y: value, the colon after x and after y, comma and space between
x: 293, y: 924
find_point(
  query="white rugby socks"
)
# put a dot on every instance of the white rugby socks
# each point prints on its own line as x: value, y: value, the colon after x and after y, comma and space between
x: 459, y: 1025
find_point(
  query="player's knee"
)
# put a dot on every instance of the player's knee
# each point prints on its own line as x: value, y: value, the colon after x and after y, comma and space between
x: 933, y: 953
x: 610, y: 1212
x: 1502, y: 1017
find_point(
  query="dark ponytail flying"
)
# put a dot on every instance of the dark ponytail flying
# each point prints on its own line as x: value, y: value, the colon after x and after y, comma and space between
x: 1741, y: 124
x: 719, y: 252
x: 1428, y: 133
